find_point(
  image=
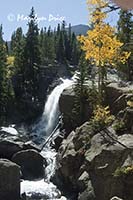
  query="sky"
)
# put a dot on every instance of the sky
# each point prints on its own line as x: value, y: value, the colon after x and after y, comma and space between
x: 13, y: 13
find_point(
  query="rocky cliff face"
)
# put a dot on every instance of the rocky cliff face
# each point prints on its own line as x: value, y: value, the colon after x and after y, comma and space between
x: 66, y: 105
x: 99, y: 165
x: 117, y: 96
x: 88, y: 164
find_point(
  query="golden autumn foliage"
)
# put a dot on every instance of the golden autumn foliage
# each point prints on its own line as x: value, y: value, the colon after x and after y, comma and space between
x: 97, y: 3
x: 10, y: 66
x: 101, y: 47
x: 101, y: 44
x: 102, y: 115
x: 130, y: 103
x: 123, y: 171
x: 10, y: 60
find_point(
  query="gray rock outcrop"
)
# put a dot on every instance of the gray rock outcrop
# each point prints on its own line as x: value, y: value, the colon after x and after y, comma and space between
x: 116, y: 96
x: 66, y: 105
x: 87, y: 163
x: 31, y: 163
x: 9, y: 180
x: 9, y: 147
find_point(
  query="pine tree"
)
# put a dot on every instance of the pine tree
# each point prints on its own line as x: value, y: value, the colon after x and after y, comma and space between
x: 7, y: 48
x: 18, y: 54
x: 68, y: 44
x: 60, y: 53
x: 62, y: 44
x: 42, y: 38
x: 76, y: 51
x: 81, y: 92
x: 32, y: 56
x: 58, y: 30
x: 13, y: 42
x: 125, y: 25
x: 18, y: 50
x: 47, y: 46
x: 3, y: 80
x: 125, y: 31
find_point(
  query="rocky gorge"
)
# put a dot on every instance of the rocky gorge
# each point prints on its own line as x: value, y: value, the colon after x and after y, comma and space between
x: 26, y: 165
x: 98, y: 165
x: 89, y: 164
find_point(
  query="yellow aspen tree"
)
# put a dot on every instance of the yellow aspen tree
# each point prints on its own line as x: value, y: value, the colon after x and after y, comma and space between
x: 101, y: 45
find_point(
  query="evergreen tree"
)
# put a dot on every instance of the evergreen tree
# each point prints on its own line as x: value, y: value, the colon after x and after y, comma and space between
x: 68, y: 44
x: 13, y: 42
x: 125, y: 32
x: 32, y: 56
x: 47, y: 46
x: 58, y: 30
x: 125, y: 25
x: 76, y: 52
x: 18, y: 51
x: 7, y: 48
x: 60, y: 53
x: 81, y: 92
x: 62, y: 44
x: 3, y: 80
x: 42, y: 37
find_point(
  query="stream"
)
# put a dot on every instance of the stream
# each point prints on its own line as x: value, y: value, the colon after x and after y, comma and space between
x: 44, y: 189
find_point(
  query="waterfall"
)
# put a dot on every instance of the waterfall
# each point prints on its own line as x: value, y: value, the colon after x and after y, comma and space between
x: 44, y: 189
x: 51, y: 111
x: 50, y: 116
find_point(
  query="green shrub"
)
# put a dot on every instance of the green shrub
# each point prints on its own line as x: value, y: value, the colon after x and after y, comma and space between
x: 123, y: 171
x: 102, y: 117
x: 119, y: 125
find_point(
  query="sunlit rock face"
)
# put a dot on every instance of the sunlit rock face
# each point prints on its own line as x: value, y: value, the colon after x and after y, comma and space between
x: 87, y: 163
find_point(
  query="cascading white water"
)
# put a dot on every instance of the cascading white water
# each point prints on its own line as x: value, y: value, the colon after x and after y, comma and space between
x: 51, y: 111
x: 50, y: 116
x: 44, y: 188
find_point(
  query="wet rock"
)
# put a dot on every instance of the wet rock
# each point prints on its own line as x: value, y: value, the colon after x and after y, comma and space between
x: 57, y: 142
x: 9, y: 180
x: 128, y: 119
x: 83, y: 181
x: 87, y: 194
x: 31, y: 145
x: 31, y: 163
x: 8, y: 148
x: 66, y: 104
x: 8, y: 131
x: 70, y: 158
